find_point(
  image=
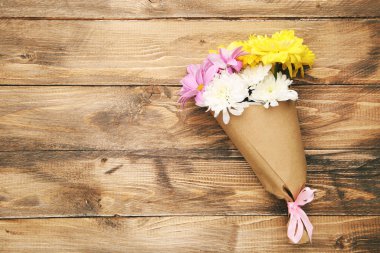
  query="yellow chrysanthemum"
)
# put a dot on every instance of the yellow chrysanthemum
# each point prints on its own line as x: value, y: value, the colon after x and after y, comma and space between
x: 248, y: 59
x: 282, y: 47
x: 285, y: 48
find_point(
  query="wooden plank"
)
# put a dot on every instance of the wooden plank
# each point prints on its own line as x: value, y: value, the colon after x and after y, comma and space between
x: 187, y: 234
x: 119, y: 9
x: 136, y: 118
x: 46, y: 52
x: 147, y: 183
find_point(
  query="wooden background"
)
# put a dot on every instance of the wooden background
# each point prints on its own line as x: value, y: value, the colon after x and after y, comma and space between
x: 96, y: 156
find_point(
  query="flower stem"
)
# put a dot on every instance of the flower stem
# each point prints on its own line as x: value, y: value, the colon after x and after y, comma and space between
x: 275, y: 69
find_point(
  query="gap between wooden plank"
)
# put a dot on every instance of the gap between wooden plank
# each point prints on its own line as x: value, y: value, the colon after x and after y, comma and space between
x: 296, y: 83
x: 228, y: 150
x: 116, y: 216
x: 252, y: 18
x: 188, y: 8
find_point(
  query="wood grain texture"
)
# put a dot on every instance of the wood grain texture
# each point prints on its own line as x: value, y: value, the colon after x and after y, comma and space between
x: 132, y: 9
x: 186, y: 234
x: 151, y: 183
x: 140, y: 118
x: 46, y: 52
x: 75, y: 158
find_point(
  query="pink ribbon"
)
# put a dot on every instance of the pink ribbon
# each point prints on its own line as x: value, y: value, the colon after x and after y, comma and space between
x: 298, y: 218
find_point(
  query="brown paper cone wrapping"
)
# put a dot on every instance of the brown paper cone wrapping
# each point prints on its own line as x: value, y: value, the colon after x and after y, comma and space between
x: 270, y: 141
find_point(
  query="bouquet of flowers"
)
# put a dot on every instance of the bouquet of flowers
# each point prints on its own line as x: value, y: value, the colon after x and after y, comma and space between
x: 245, y: 85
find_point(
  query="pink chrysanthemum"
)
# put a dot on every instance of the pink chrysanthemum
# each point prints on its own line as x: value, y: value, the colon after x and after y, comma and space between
x: 194, y: 83
x: 227, y: 59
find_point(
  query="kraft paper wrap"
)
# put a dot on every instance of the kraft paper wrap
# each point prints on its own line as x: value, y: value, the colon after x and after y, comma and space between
x: 270, y: 141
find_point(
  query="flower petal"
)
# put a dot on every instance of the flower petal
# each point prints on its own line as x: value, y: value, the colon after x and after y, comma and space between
x: 199, y: 77
x: 217, y: 61
x: 237, y: 52
x: 189, y: 82
x: 209, y: 74
x: 226, y: 116
x: 192, y: 68
x: 236, y: 112
x: 274, y: 103
x: 224, y: 54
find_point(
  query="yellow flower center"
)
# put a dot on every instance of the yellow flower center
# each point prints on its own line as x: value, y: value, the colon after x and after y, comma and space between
x: 270, y: 89
x: 200, y: 87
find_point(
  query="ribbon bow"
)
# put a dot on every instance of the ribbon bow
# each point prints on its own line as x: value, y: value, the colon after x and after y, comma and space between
x: 298, y: 218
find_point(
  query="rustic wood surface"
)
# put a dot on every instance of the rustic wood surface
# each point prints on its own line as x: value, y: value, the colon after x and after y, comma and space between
x: 145, y: 9
x: 96, y: 155
x: 134, y: 118
x: 186, y: 234
x: 156, y: 52
x: 147, y: 183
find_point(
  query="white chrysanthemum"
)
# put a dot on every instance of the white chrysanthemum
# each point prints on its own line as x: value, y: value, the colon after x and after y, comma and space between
x: 226, y: 94
x: 254, y: 75
x: 272, y: 90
